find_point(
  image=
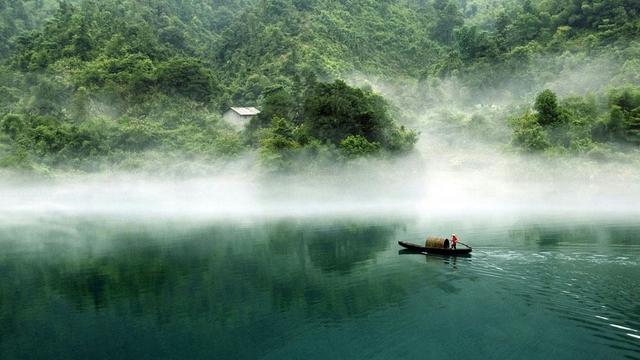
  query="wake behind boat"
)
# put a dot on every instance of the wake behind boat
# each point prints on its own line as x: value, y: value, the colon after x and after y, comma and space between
x: 435, y: 245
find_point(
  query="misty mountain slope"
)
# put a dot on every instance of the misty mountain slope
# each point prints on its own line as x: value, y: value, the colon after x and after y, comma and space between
x: 129, y: 49
x: 485, y: 44
x: 250, y: 46
x: 18, y: 17
x: 341, y: 36
x: 116, y: 79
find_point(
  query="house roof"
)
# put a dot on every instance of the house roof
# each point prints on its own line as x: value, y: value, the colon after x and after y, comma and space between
x: 246, y: 111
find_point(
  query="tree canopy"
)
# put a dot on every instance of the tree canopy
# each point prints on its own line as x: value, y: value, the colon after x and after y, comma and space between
x: 86, y: 79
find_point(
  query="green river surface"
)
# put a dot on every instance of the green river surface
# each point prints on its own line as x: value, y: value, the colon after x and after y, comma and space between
x: 319, y: 288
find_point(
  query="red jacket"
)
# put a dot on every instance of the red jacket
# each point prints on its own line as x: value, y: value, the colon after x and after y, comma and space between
x: 454, y: 239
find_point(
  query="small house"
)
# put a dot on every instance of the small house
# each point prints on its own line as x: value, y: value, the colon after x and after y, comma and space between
x: 239, y: 117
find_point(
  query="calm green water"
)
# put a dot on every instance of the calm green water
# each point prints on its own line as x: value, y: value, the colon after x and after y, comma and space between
x: 106, y: 288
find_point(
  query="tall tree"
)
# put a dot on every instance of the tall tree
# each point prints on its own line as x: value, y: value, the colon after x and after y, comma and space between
x: 547, y: 107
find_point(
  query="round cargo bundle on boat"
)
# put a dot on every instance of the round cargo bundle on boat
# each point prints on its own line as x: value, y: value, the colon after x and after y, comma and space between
x: 437, y: 243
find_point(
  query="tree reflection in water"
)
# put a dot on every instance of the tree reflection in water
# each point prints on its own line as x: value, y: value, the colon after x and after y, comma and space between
x: 169, y: 274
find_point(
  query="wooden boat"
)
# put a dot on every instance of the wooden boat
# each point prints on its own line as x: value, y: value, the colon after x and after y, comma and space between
x: 434, y: 249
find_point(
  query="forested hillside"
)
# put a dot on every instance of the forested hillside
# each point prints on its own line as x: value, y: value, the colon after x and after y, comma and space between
x: 88, y: 84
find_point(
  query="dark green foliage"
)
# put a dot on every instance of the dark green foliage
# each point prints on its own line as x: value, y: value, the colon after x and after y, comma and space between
x: 448, y: 18
x: 129, y: 76
x: 116, y: 78
x: 401, y: 140
x: 626, y: 99
x: 278, y: 145
x: 278, y: 103
x: 186, y: 77
x: 80, y: 105
x: 632, y: 126
x: 579, y: 124
x: 137, y: 134
x: 601, y: 131
x: 12, y: 125
x: 529, y: 134
x: 547, y: 107
x: 47, y: 97
x: 356, y: 145
x: 280, y: 136
x: 474, y: 44
x: 19, y: 16
x: 624, y: 119
x: 288, y: 40
x: 333, y: 111
x: 84, y: 144
x: 335, y: 115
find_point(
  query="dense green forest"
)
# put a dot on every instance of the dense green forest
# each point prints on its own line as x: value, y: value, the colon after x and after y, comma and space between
x: 88, y: 85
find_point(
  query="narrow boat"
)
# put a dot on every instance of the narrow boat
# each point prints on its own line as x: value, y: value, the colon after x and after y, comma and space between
x: 436, y: 246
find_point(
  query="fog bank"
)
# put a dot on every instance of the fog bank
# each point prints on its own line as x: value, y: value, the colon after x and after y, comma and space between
x: 444, y: 185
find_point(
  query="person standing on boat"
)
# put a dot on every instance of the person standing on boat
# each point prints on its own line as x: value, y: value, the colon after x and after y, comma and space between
x: 454, y: 241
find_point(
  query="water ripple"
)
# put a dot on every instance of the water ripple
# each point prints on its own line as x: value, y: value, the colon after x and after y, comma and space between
x: 570, y: 283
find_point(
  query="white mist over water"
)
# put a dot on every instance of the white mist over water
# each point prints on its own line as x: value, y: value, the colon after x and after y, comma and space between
x: 439, y: 186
